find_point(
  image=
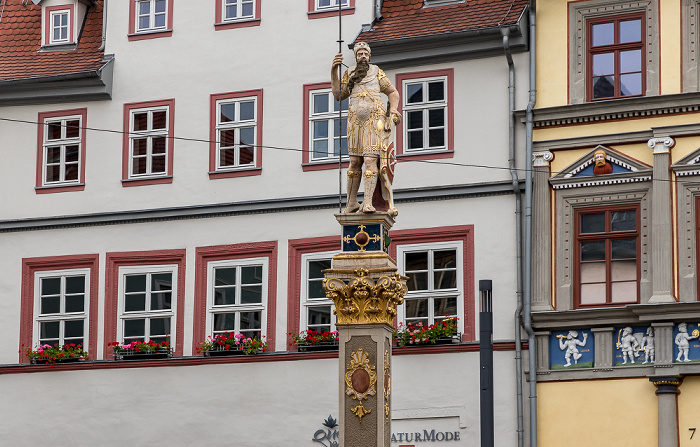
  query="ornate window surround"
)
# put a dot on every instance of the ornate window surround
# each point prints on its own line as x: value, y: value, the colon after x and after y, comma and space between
x: 690, y: 26
x: 570, y: 200
x: 581, y: 12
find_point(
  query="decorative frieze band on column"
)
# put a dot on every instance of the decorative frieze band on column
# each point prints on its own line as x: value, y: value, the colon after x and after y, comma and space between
x: 542, y: 351
x: 661, y: 218
x: 667, y: 392
x: 663, y: 341
x: 542, y: 233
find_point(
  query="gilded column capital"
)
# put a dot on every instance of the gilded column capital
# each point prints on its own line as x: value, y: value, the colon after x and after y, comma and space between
x: 542, y: 158
x: 661, y: 145
x: 362, y: 300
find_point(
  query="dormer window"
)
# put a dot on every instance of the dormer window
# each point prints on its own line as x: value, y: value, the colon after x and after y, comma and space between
x: 59, y: 25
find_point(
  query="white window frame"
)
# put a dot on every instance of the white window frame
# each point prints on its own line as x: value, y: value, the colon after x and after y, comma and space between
x: 213, y: 309
x: 151, y: 16
x: 63, y: 143
x: 147, y: 314
x: 401, y: 250
x: 239, y: 8
x: 236, y: 126
x: 66, y: 27
x: 329, y: 117
x: 333, y: 5
x: 149, y: 133
x: 307, y: 302
x: 424, y: 107
x: 62, y: 316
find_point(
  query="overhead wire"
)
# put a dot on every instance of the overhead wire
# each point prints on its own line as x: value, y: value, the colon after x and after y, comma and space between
x: 292, y: 149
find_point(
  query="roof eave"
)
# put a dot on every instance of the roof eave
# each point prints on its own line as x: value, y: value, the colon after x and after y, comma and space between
x: 68, y: 87
x: 458, y: 45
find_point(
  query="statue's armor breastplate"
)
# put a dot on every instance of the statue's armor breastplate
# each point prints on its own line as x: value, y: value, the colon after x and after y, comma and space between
x: 365, y: 100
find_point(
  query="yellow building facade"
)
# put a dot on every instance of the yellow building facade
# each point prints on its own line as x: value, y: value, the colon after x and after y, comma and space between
x: 615, y: 219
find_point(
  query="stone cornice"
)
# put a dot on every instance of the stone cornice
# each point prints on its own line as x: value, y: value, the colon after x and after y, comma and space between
x: 599, y: 111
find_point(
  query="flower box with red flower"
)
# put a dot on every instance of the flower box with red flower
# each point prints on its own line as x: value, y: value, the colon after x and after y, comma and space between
x: 139, y: 350
x: 443, y: 332
x: 310, y: 340
x: 228, y: 344
x: 48, y: 355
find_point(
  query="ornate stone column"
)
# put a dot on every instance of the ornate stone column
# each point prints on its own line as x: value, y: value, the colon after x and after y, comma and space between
x: 663, y: 342
x: 603, y: 348
x: 661, y: 218
x: 366, y: 288
x: 667, y: 392
x: 541, y: 233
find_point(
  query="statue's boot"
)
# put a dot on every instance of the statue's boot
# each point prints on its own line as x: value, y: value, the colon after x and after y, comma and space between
x: 370, y: 185
x: 354, y: 178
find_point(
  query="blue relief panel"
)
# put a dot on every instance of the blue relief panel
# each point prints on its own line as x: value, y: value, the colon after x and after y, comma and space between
x: 633, y: 345
x: 571, y: 349
x: 616, y: 169
x: 372, y: 237
x: 686, y: 342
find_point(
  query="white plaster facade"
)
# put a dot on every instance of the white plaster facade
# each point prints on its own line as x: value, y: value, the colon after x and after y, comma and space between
x: 280, y: 401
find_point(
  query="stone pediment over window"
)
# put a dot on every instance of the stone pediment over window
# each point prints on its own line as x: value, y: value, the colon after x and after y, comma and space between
x: 688, y: 165
x: 619, y: 169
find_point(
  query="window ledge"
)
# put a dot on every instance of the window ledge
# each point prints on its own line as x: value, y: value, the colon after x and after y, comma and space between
x: 153, y: 34
x: 331, y: 13
x: 426, y: 155
x: 323, y: 165
x: 65, y: 187
x: 231, y: 24
x: 281, y: 356
x: 52, y: 48
x: 241, y: 172
x: 147, y: 180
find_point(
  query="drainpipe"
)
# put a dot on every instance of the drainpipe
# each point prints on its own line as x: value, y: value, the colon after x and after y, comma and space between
x: 378, y: 9
x: 527, y: 285
x: 518, y: 232
x: 104, y: 26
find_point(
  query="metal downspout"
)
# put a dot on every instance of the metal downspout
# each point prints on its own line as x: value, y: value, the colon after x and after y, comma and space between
x: 104, y: 26
x: 518, y: 232
x: 527, y: 286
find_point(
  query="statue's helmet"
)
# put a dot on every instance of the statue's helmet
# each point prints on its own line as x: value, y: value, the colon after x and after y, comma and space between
x: 362, y: 46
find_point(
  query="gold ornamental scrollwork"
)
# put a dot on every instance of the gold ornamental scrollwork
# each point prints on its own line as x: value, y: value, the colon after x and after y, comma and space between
x: 387, y: 384
x: 360, y: 381
x: 363, y: 301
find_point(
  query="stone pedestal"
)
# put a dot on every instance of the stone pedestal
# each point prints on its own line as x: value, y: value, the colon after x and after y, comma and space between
x: 365, y: 287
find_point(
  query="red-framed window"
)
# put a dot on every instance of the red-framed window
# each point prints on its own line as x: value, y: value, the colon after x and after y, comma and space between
x: 147, y: 154
x: 319, y: 9
x: 145, y: 297
x: 427, y: 108
x: 324, y: 134
x: 61, y: 151
x: 149, y: 19
x: 235, y: 134
x: 441, y: 263
x: 59, y: 302
x: 236, y: 291
x: 615, y: 51
x: 58, y: 21
x: 307, y: 307
x: 237, y: 13
x: 606, y: 254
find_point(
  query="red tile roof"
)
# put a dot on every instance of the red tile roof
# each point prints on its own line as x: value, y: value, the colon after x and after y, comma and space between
x: 409, y: 18
x: 20, y: 41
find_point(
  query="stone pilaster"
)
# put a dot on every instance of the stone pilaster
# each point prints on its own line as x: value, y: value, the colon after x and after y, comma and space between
x: 365, y: 288
x: 661, y: 218
x: 542, y: 351
x: 667, y: 394
x: 541, y: 233
x: 663, y: 344
x: 603, y: 347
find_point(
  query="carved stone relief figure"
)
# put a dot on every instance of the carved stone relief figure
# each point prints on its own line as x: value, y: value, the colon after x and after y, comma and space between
x: 570, y: 345
x: 648, y: 346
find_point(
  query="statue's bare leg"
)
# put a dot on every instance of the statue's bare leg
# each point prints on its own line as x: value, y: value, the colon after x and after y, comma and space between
x: 371, y: 175
x: 354, y: 178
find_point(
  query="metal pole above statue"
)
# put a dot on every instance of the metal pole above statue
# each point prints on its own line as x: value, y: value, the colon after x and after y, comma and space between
x: 364, y: 283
